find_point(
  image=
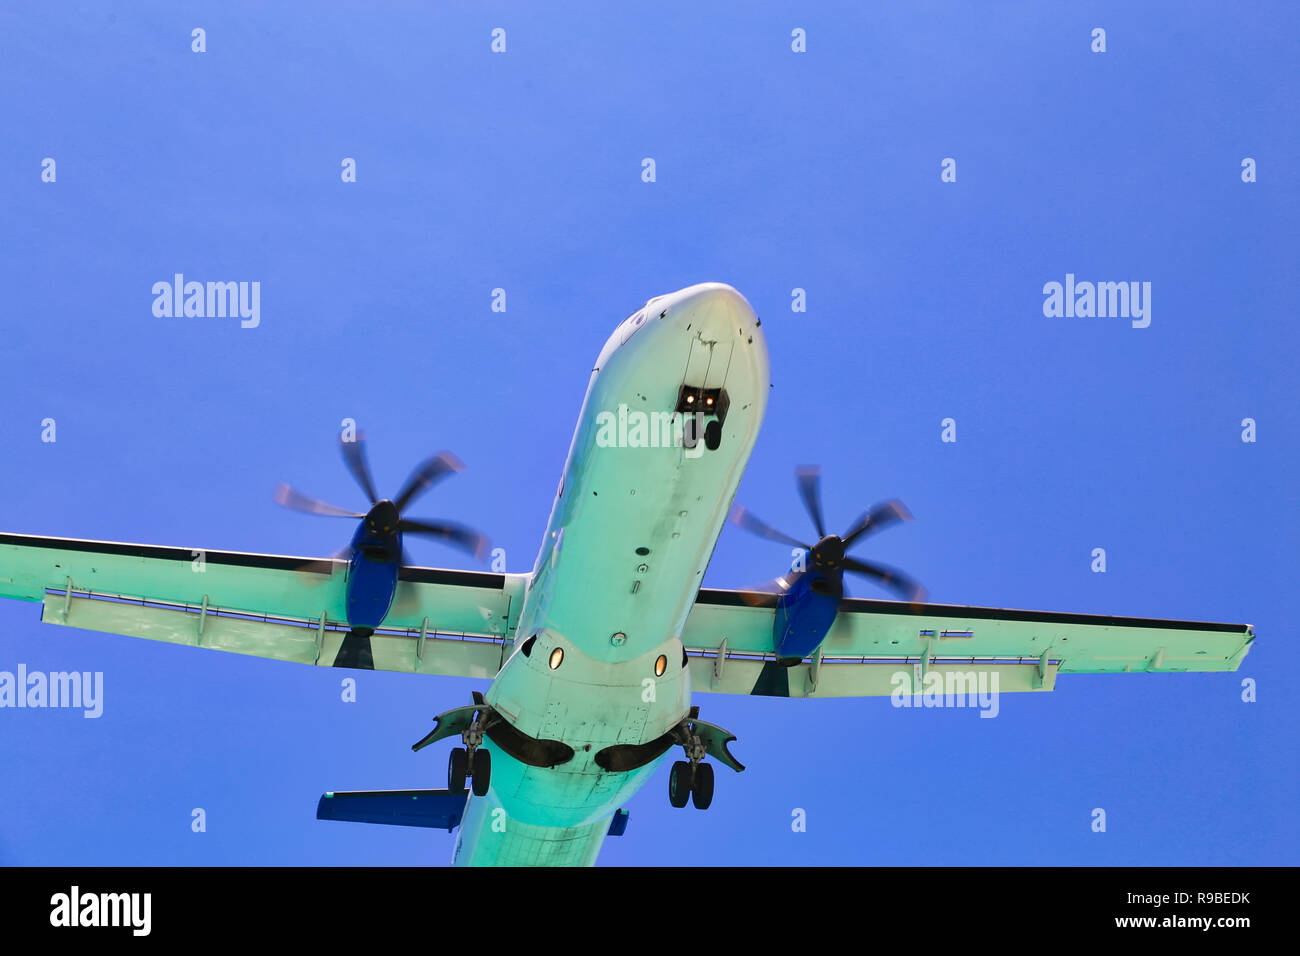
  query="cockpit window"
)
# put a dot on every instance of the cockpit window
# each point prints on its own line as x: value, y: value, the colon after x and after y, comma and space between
x: 632, y: 324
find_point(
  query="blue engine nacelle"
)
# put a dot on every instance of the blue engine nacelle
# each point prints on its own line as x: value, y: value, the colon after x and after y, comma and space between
x: 374, y: 566
x: 805, y: 613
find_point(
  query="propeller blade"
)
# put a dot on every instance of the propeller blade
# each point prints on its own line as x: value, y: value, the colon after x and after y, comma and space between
x: 454, y: 534
x: 313, y: 564
x: 354, y: 453
x: 892, y: 578
x: 756, y: 525
x: 423, y: 477
x: 809, y: 478
x: 761, y: 594
x: 881, y: 516
x: 290, y: 498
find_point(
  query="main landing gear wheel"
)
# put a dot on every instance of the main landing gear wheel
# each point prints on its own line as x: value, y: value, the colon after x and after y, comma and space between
x: 457, y: 769
x: 679, y: 783
x: 693, y: 777
x: 702, y: 788
x: 482, y: 773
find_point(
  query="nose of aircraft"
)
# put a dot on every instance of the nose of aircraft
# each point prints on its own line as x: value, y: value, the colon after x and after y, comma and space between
x: 713, y: 311
x: 697, y: 319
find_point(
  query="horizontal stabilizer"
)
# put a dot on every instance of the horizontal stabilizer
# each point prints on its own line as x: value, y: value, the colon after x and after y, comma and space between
x: 439, y: 809
x: 618, y: 825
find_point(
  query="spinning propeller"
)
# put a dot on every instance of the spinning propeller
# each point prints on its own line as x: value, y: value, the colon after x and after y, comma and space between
x: 384, y: 522
x: 829, y: 555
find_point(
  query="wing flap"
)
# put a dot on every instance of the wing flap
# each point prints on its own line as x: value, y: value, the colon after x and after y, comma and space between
x: 278, y: 640
x: 300, y: 642
x: 871, y: 640
x: 765, y: 678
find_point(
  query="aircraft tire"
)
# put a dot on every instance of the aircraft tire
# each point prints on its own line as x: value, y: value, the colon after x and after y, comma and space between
x: 679, y: 783
x: 457, y: 769
x: 482, y: 776
x: 702, y: 790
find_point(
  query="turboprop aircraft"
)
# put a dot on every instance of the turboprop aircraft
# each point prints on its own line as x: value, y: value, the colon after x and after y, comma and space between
x: 592, y: 660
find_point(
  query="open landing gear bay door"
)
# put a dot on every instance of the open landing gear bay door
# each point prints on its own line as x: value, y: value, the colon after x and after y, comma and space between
x: 876, y: 648
x: 453, y: 623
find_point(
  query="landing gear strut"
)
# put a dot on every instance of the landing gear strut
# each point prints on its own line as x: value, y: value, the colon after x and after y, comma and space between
x: 691, y: 777
x: 471, y: 761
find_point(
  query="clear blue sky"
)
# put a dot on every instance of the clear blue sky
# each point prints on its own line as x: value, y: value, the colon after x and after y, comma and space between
x: 775, y: 170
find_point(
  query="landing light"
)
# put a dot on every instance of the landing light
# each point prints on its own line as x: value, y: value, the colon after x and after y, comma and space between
x: 557, y: 657
x: 714, y: 400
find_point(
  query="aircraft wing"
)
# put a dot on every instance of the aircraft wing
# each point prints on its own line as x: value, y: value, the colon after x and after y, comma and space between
x: 876, y: 648
x: 445, y: 622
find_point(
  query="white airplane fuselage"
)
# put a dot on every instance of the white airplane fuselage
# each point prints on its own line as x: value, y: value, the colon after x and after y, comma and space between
x: 636, y: 516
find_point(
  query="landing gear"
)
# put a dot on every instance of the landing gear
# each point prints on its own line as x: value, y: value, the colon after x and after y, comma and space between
x: 457, y: 769
x: 702, y: 788
x: 712, y: 436
x: 690, y: 780
x: 474, y: 764
x: 679, y: 783
x: 693, y: 777
x: 690, y: 432
x: 471, y: 761
x: 482, y: 772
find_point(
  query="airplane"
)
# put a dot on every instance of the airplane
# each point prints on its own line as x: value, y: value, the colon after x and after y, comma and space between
x: 594, y: 657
